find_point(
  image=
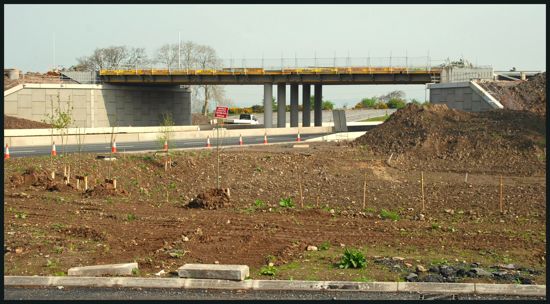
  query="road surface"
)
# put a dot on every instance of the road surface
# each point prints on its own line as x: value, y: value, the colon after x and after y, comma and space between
x: 154, y: 145
x: 102, y: 293
x: 351, y: 115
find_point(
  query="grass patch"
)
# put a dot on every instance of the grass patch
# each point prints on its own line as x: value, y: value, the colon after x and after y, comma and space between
x: 388, y: 214
x: 378, y: 118
x: 286, y: 203
x: 259, y: 203
x: 57, y: 226
x: 324, y: 245
x: 268, y: 270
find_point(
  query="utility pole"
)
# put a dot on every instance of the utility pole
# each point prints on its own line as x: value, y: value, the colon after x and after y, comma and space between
x: 179, y: 50
x: 54, y: 51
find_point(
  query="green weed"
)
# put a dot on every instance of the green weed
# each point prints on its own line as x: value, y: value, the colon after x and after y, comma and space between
x: 268, y: 270
x: 436, y: 262
x: 259, y: 203
x: 388, y: 214
x: 20, y: 215
x: 352, y: 258
x: 57, y: 226
x: 51, y: 264
x: 370, y: 210
x: 435, y: 226
x: 177, y: 253
x: 286, y: 203
x: 324, y: 246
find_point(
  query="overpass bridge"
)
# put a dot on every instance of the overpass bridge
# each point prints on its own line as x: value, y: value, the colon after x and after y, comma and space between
x: 306, y: 77
x: 256, y: 76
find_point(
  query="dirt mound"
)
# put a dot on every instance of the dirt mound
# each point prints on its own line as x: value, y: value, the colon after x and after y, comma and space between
x: 11, y: 122
x: 104, y: 189
x: 31, y: 177
x: 211, y: 199
x: 438, y: 137
x: 520, y: 95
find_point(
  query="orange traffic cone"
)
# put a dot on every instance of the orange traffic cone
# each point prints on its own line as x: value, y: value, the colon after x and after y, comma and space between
x: 240, y: 140
x: 298, y: 138
x: 113, y: 148
x: 208, y: 142
x: 165, y: 145
x: 54, y: 152
x: 265, y: 138
x: 7, y: 152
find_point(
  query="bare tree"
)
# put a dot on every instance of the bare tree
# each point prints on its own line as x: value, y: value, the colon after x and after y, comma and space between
x: 392, y: 95
x: 137, y: 57
x: 189, y: 55
x: 112, y: 57
x: 168, y: 55
x: 207, y: 59
x: 115, y: 56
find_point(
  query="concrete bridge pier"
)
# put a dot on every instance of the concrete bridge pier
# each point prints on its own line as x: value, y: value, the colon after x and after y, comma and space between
x: 293, y: 105
x: 318, y: 114
x: 268, y: 108
x: 306, y: 104
x: 281, y: 105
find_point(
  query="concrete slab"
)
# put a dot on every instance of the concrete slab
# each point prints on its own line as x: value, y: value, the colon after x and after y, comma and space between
x: 426, y: 287
x: 511, y: 289
x: 99, y: 270
x: 214, y: 271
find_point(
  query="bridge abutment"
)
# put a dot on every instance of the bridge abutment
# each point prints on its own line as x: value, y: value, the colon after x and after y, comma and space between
x: 101, y: 105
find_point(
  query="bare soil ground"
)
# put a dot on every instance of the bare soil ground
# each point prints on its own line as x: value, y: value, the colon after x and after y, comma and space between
x: 32, y: 77
x: 11, y: 122
x: 520, y: 95
x: 148, y: 219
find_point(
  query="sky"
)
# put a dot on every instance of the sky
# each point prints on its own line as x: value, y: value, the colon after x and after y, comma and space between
x: 502, y: 36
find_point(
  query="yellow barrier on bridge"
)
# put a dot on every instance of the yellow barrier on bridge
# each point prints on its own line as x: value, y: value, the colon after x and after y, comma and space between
x: 261, y: 71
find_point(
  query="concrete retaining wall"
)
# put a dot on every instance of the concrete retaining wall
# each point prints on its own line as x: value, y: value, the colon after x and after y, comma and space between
x: 462, y: 96
x: 45, y: 140
x: 100, y: 105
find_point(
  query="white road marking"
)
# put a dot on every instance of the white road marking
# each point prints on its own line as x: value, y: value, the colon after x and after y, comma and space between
x: 24, y: 151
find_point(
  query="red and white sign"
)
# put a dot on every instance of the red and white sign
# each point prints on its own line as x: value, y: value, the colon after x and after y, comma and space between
x: 221, y: 112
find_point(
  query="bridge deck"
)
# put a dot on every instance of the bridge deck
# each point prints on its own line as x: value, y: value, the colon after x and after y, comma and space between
x: 261, y: 71
x: 259, y: 76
